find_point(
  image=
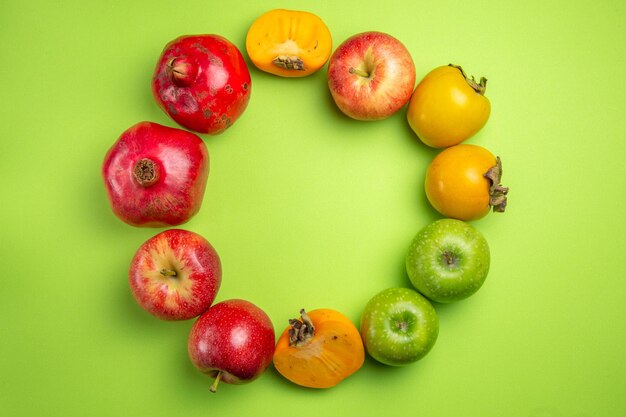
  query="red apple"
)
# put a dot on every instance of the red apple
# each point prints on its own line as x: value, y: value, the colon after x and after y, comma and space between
x: 233, y: 341
x: 371, y: 76
x: 202, y: 82
x: 175, y: 275
x: 156, y: 175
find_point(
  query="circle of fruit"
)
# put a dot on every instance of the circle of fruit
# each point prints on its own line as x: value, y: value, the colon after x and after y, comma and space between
x: 155, y: 176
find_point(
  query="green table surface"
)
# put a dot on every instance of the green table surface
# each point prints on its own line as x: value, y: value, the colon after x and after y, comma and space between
x: 308, y: 208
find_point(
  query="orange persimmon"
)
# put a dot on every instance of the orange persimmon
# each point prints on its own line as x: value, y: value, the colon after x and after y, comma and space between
x: 319, y: 350
x: 289, y: 43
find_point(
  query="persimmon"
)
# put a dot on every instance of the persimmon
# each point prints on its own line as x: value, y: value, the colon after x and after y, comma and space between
x: 289, y: 43
x: 319, y: 350
x: 463, y: 182
x: 448, y: 107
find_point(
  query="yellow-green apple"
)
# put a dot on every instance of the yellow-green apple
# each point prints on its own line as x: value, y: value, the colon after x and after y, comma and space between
x: 371, y: 76
x: 448, y: 260
x: 175, y: 275
x: 233, y: 341
x: 399, y: 326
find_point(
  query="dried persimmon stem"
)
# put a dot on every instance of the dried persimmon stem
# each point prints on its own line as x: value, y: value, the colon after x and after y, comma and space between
x: 289, y: 62
x: 497, y: 193
x: 479, y: 86
x: 301, y: 329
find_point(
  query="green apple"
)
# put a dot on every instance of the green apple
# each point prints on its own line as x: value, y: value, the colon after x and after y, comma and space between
x: 399, y: 326
x: 448, y: 260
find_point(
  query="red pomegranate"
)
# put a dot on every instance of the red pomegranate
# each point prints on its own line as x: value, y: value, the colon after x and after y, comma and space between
x: 155, y: 175
x: 202, y: 82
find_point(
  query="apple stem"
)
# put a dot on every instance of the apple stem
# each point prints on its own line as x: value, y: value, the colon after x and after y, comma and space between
x: 301, y: 329
x: 497, y: 193
x: 480, y: 87
x: 448, y: 258
x: 402, y: 326
x: 168, y: 272
x: 360, y: 72
x: 218, y: 377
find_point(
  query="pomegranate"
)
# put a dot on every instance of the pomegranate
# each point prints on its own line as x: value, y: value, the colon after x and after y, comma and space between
x: 155, y: 175
x: 202, y: 82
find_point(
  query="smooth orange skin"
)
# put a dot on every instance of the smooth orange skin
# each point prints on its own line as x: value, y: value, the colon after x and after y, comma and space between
x: 335, y: 352
x: 455, y: 185
x: 281, y: 32
x: 445, y: 110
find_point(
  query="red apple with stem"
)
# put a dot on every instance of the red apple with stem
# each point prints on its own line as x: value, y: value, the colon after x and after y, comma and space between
x: 371, y: 76
x: 156, y: 175
x: 233, y: 341
x: 175, y: 275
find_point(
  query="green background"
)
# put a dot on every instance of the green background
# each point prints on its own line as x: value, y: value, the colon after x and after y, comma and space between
x: 308, y: 208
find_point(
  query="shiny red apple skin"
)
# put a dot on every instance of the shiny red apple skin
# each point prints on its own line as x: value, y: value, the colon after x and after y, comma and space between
x: 202, y: 82
x: 371, y: 76
x: 233, y: 338
x: 179, y: 161
x: 175, y: 275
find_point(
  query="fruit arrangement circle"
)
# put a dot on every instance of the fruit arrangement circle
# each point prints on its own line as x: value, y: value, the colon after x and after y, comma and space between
x: 155, y: 176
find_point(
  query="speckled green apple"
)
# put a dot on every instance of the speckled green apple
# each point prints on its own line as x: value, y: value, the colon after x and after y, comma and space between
x: 399, y: 326
x: 448, y: 260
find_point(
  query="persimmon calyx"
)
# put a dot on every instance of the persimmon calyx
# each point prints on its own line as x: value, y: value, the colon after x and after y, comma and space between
x: 479, y: 86
x: 289, y: 62
x: 301, y: 329
x: 497, y: 193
